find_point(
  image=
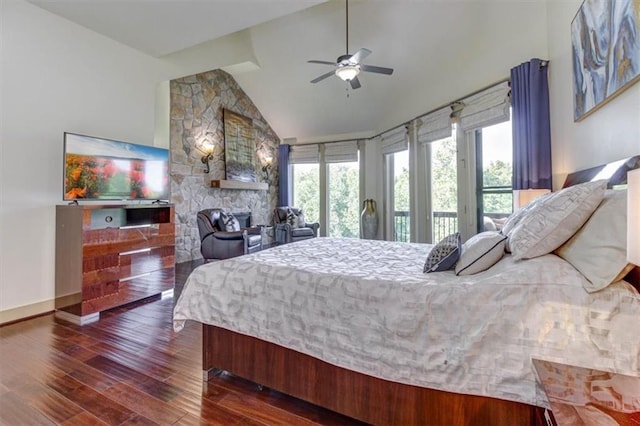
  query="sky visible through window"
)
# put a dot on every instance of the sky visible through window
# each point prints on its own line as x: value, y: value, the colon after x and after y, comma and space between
x: 496, y: 144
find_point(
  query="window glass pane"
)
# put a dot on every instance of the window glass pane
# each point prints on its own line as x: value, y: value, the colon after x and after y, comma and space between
x: 495, y: 197
x: 444, y: 187
x: 497, y: 155
x: 497, y: 205
x: 306, y: 190
x: 401, y: 196
x: 344, y: 208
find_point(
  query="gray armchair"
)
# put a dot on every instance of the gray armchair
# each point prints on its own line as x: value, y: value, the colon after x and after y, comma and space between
x: 218, y: 243
x: 288, y: 231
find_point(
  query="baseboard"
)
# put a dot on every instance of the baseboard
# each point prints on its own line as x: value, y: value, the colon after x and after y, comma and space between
x: 26, y: 311
x: 34, y: 309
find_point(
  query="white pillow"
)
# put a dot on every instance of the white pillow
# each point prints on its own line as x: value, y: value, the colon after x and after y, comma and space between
x: 599, y: 249
x: 480, y: 253
x: 515, y: 218
x: 554, y: 219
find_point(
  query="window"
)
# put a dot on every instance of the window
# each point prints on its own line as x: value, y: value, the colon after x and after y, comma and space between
x: 325, y: 181
x: 401, y: 208
x: 444, y: 187
x: 494, y: 175
x: 343, y: 200
x: 306, y: 190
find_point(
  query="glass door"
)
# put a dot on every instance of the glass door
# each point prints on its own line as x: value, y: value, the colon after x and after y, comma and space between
x: 494, y: 176
x: 344, y: 209
x: 442, y: 161
x: 397, y: 196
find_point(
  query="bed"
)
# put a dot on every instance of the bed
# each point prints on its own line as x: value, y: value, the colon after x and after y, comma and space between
x: 357, y: 327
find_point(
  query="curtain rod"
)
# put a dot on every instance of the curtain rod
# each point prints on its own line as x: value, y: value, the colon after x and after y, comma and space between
x: 415, y: 118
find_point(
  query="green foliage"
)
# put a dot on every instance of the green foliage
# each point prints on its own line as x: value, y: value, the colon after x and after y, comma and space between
x: 344, y: 209
x: 444, y: 181
x: 306, y: 191
x: 498, y: 173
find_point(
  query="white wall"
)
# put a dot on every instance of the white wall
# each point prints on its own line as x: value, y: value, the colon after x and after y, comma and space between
x: 56, y: 77
x: 611, y: 133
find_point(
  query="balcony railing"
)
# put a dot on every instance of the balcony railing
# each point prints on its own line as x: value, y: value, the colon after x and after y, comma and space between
x: 444, y: 223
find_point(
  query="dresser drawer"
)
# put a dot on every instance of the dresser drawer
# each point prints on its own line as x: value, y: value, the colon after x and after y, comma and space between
x: 142, y: 261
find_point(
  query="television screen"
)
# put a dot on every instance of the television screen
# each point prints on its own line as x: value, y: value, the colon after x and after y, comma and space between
x: 103, y: 169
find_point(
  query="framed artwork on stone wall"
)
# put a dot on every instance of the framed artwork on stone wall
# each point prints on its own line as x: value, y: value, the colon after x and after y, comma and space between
x: 605, y: 39
x: 239, y: 147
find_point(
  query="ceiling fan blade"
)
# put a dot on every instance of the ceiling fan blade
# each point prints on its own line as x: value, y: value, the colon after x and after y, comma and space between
x: 359, y: 55
x: 379, y: 70
x: 355, y: 83
x: 323, y: 76
x: 322, y: 62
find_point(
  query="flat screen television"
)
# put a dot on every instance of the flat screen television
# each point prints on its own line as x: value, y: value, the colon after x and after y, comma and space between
x: 104, y: 169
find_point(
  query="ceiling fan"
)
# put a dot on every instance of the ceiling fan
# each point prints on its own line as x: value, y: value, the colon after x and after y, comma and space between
x: 347, y: 66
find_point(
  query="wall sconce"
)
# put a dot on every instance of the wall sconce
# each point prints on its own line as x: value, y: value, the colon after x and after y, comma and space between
x: 206, y: 147
x: 267, y: 162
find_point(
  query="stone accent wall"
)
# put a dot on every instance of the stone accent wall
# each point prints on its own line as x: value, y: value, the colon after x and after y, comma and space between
x: 197, y: 104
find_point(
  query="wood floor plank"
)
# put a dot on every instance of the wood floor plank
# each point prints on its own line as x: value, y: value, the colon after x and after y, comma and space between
x: 16, y: 411
x: 257, y: 409
x: 150, y: 385
x: 83, y: 419
x: 92, y: 401
x: 144, y: 404
x: 48, y: 402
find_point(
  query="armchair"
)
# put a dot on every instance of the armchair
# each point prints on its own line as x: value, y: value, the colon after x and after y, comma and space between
x: 291, y: 226
x: 218, y: 243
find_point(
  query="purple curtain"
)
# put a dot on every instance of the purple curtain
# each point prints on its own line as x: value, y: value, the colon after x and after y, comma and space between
x: 531, y: 128
x: 283, y: 175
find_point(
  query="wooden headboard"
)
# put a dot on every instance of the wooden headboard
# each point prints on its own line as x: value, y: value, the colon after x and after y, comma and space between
x: 616, y: 173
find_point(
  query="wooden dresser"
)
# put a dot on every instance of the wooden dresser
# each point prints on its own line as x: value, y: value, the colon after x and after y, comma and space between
x: 110, y: 255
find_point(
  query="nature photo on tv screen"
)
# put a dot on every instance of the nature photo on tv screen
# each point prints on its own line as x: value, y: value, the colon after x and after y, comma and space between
x: 103, y: 169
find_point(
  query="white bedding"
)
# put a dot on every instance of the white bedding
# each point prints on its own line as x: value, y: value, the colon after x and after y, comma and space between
x: 366, y: 306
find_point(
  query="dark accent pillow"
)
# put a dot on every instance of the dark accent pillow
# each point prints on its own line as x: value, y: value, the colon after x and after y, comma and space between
x: 228, y: 222
x: 291, y: 218
x: 444, y: 255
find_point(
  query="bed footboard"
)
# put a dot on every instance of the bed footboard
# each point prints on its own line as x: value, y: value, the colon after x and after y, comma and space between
x: 356, y: 395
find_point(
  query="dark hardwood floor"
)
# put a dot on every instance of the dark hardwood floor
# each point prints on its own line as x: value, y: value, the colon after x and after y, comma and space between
x: 130, y: 368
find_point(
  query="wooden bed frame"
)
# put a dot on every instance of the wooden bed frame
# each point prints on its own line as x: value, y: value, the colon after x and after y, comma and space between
x: 357, y: 395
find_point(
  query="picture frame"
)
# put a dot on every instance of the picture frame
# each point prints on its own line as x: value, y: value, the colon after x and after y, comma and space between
x: 605, y: 39
x: 239, y: 147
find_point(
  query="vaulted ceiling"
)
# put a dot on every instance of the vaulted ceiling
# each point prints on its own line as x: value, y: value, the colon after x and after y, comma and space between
x: 440, y: 50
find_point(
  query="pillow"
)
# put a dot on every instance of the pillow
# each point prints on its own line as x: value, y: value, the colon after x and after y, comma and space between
x: 228, y: 222
x: 554, y: 219
x: 599, y: 249
x: 291, y: 218
x: 295, y: 218
x: 443, y: 256
x: 513, y: 220
x: 480, y: 253
x: 300, y: 221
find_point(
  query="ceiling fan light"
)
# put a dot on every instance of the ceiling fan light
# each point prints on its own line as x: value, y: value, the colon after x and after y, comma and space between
x: 348, y: 72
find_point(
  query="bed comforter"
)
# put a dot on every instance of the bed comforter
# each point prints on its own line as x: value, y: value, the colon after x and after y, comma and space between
x: 366, y: 306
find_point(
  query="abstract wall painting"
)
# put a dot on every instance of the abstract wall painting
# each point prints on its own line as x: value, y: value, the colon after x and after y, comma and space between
x: 239, y: 147
x: 605, y: 36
